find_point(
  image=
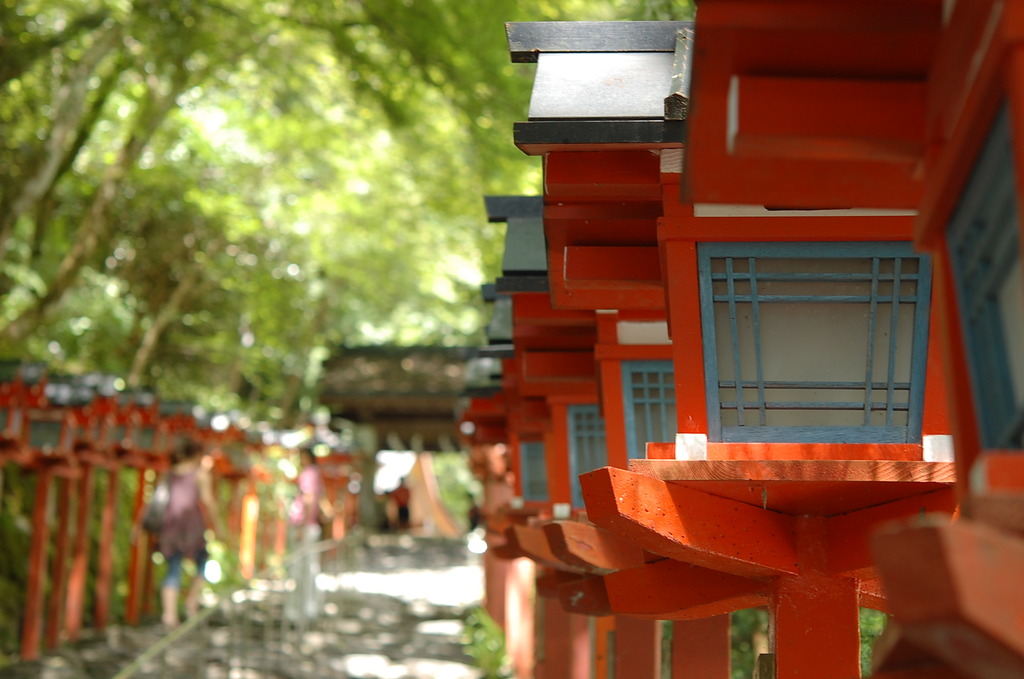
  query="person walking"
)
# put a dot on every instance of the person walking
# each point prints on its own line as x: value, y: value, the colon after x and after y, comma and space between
x: 307, y: 511
x: 400, y: 497
x: 190, y: 511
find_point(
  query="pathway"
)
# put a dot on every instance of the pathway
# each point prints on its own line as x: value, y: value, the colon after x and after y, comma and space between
x: 395, y: 612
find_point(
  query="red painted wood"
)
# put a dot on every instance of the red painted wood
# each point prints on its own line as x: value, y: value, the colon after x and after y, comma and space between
x: 964, y: 422
x: 136, y: 557
x: 673, y: 590
x: 604, y: 637
x: 558, y: 366
x: 585, y: 596
x: 829, y: 118
x: 633, y: 352
x: 818, y: 487
x: 105, y: 551
x: 683, y: 303
x: 713, y: 532
x: 798, y: 451
x: 584, y: 545
x: 247, y: 536
x: 533, y: 542
x: 612, y: 266
x: 810, y: 613
x: 700, y: 648
x: 601, y: 176
x: 957, y: 593
x: 518, y: 621
x: 849, y: 535
x: 556, y: 455
x: 786, y: 228
x: 80, y: 554
x: 614, y: 415
x: 554, y: 651
x: 149, y: 577
x: 964, y: 98
x: 637, y: 647
x: 35, y: 588
x: 935, y: 418
x: 814, y: 611
x: 805, y: 40
x: 58, y: 566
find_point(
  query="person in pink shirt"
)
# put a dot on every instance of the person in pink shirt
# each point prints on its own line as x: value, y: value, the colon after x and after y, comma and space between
x: 307, y: 511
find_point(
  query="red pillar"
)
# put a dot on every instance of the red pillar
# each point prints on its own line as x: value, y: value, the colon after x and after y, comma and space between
x: 80, y: 555
x: 148, y: 575
x: 55, y: 603
x: 247, y: 535
x: 814, y: 629
x: 555, y: 652
x: 131, y: 614
x: 518, y: 577
x: 105, y: 555
x: 604, y: 640
x: 36, y: 585
x: 637, y: 648
x: 700, y: 648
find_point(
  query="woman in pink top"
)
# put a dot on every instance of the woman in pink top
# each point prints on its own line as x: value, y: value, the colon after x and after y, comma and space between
x: 305, y: 514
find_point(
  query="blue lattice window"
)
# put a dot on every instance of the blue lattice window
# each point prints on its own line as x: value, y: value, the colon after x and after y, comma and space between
x: 533, y: 471
x: 587, y: 449
x: 814, y: 342
x: 984, y: 245
x: 649, y: 394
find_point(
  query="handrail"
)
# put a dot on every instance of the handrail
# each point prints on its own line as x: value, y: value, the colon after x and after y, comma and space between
x: 237, y: 595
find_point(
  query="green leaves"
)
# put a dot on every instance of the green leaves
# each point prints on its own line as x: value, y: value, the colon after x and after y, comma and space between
x: 241, y: 187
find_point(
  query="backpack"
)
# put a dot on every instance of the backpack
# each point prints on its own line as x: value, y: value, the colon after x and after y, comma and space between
x: 153, y: 519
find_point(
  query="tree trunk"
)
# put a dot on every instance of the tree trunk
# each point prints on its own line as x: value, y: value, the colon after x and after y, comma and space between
x: 96, y: 226
x: 168, y: 313
x: 43, y: 167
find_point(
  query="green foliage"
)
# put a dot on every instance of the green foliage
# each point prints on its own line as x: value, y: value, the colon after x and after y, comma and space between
x: 748, y: 638
x: 872, y: 624
x: 458, y: 488
x: 240, y: 187
x: 17, y: 491
x: 484, y: 641
x: 749, y: 633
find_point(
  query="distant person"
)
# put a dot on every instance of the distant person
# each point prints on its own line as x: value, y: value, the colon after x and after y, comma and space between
x: 191, y: 509
x: 308, y: 510
x: 400, y: 499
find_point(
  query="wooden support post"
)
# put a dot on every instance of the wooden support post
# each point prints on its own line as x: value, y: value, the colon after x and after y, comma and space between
x: 105, y: 555
x: 580, y: 647
x: 700, y: 648
x: 36, y: 586
x: 131, y: 604
x: 247, y: 536
x: 234, y: 524
x: 637, y: 648
x: 604, y: 638
x: 58, y: 568
x: 80, y: 555
x: 814, y: 611
x: 517, y: 614
x: 280, y: 536
x: 555, y: 656
x: 148, y: 575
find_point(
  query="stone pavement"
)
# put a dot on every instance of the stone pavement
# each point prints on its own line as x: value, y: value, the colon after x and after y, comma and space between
x: 394, y: 611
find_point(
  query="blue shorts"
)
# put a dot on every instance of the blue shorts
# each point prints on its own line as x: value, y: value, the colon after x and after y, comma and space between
x: 173, y: 576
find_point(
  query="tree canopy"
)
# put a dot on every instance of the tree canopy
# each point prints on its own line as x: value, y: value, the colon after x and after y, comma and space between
x: 208, y: 197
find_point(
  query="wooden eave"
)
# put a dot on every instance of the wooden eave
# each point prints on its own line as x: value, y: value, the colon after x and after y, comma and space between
x: 810, y: 105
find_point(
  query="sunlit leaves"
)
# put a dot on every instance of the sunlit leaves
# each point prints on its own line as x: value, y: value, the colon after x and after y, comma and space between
x: 319, y: 180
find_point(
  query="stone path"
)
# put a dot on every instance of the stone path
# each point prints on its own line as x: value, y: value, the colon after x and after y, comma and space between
x: 395, y: 611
